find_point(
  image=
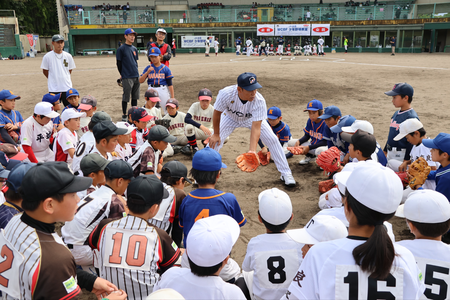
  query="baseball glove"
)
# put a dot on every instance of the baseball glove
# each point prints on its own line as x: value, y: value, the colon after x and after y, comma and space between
x: 404, y: 178
x: 296, y: 150
x: 13, y: 134
x: 418, y: 172
x: 264, y: 159
x: 248, y: 162
x: 329, y: 160
x: 119, y: 82
x: 163, y: 122
x: 326, y: 185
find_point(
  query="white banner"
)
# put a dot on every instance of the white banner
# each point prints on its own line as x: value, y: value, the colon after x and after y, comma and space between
x: 292, y: 29
x: 191, y: 41
x: 265, y: 29
x: 320, y: 30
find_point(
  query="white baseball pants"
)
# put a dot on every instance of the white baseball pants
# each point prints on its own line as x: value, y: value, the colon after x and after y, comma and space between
x: 280, y: 49
x: 238, y: 49
x: 164, y: 95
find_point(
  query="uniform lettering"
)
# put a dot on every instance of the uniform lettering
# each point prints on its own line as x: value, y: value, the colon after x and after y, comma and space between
x: 240, y: 114
x: 202, y: 119
x: 316, y: 135
x: 157, y: 76
x: 176, y: 125
x: 395, y: 125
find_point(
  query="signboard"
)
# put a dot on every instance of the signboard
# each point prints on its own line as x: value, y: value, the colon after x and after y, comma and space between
x: 192, y: 41
x: 292, y: 29
x: 320, y: 30
x: 265, y: 30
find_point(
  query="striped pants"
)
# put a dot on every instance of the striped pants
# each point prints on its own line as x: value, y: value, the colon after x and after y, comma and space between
x: 227, y: 126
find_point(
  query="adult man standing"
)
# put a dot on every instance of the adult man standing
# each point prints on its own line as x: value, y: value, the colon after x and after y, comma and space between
x: 249, y: 44
x: 345, y: 43
x: 57, y: 65
x: 207, y: 46
x: 165, y: 49
x: 392, y: 42
x: 126, y: 57
x: 238, y: 46
x: 280, y: 46
x: 320, y: 43
x: 242, y: 106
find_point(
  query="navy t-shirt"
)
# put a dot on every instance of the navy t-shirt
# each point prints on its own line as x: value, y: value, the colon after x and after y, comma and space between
x: 128, y: 55
x: 393, y: 42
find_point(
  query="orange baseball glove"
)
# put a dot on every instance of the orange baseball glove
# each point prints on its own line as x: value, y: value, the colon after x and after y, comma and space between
x: 329, y: 160
x: 296, y: 150
x: 264, y: 159
x: 248, y: 162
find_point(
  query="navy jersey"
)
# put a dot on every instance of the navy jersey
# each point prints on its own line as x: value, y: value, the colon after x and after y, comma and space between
x: 398, y: 118
x: 158, y: 75
x: 280, y: 42
x: 334, y: 140
x: 238, y: 42
x: 203, y: 203
x: 315, y: 130
x: 380, y: 155
x: 442, y: 177
x: 282, y: 132
x: 129, y: 56
x: 7, y: 211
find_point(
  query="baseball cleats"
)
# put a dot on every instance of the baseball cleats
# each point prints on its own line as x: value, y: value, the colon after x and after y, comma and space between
x: 288, y: 180
x: 177, y: 149
x: 306, y: 160
x: 194, y: 150
x: 186, y: 150
x: 124, y: 118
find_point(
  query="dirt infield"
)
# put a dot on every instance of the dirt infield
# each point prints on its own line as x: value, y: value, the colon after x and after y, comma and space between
x: 354, y: 82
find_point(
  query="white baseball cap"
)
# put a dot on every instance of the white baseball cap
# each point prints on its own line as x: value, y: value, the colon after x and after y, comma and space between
x: 341, y: 178
x: 408, y: 126
x: 71, y: 113
x: 211, y: 239
x: 359, y: 124
x: 275, y: 206
x: 334, y: 198
x: 161, y: 30
x: 320, y: 228
x: 45, y: 109
x: 376, y: 187
x: 125, y: 125
x: 165, y: 294
x: 425, y: 206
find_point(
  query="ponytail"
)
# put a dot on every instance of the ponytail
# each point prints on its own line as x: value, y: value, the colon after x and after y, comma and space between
x: 377, y: 254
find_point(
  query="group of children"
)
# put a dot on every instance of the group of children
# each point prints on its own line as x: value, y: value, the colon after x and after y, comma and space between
x: 128, y: 234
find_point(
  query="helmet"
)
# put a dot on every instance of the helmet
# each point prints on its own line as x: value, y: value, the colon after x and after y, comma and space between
x: 281, y: 36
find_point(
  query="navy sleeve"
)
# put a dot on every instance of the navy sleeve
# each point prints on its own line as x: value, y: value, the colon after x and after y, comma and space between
x: 318, y: 144
x: 188, y: 119
x: 304, y: 138
x: 260, y: 143
x: 119, y: 66
x: 169, y: 81
x: 408, y: 151
x: 443, y: 186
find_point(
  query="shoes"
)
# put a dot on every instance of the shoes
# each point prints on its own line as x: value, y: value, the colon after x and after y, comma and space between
x: 392, y: 54
x: 194, y: 150
x: 186, y: 150
x: 288, y: 180
x: 289, y: 155
x: 177, y: 149
x: 124, y: 118
x: 306, y: 160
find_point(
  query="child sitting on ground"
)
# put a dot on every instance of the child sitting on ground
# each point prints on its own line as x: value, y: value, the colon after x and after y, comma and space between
x: 176, y: 127
x: 281, y: 130
x: 93, y: 166
x: 123, y: 149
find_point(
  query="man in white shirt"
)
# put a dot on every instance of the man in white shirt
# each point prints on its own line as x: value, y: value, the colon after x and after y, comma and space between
x: 249, y: 46
x: 57, y: 65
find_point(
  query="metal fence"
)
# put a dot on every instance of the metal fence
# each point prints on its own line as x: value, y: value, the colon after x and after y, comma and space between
x: 246, y: 14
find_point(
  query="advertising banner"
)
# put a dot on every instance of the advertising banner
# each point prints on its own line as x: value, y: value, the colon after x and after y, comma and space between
x: 191, y: 41
x: 265, y: 30
x: 292, y: 29
x: 320, y: 30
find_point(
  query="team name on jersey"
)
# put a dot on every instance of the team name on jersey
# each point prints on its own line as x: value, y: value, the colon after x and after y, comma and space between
x: 394, y: 124
x: 176, y: 125
x: 157, y: 76
x: 202, y: 119
x: 240, y: 114
x: 316, y: 135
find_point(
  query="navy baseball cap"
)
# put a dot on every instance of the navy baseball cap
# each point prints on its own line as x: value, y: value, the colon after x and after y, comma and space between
x: 106, y: 128
x: 273, y: 113
x: 72, y: 92
x: 441, y: 142
x: 118, y: 169
x: 140, y: 114
x: 207, y: 159
x: 314, y: 105
x: 248, y: 81
x: 8, y: 163
x: 154, y: 51
x: 17, y: 173
x: 51, y: 98
x: 175, y: 169
x: 7, y: 94
x: 147, y: 190
x: 401, y: 89
x: 160, y: 133
x: 130, y: 31
x: 330, y: 111
x: 345, y: 121
x: 205, y: 94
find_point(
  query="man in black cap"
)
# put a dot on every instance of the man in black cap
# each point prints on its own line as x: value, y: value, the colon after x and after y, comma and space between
x: 57, y: 65
x: 136, y: 273
x: 40, y: 263
x: 242, y: 105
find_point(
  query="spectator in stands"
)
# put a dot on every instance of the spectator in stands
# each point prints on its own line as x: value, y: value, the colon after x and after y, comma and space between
x: 184, y: 17
x: 149, y: 43
x: 166, y: 50
x: 398, y: 12
x: 125, y: 16
x: 128, y: 5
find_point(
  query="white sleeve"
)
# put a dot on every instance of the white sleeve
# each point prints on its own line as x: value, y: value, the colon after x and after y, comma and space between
x: 246, y: 265
x: 192, y: 109
x: 44, y: 64
x: 220, y: 103
x: 26, y: 134
x: 305, y: 283
x: 66, y: 140
x: 71, y: 63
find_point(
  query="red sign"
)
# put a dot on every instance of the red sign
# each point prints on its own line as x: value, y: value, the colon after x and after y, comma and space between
x: 265, y: 29
x: 30, y: 39
x: 320, y: 29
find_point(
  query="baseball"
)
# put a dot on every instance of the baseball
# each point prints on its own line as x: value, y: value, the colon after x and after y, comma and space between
x: 307, y: 59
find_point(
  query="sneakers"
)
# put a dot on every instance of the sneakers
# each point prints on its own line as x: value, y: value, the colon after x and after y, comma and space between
x: 194, y: 150
x: 177, y: 149
x: 288, y: 180
x: 306, y: 160
x: 124, y: 118
x: 186, y: 150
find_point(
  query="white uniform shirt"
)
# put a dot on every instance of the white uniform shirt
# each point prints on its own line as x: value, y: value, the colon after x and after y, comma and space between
x: 37, y: 136
x: 155, y: 112
x: 58, y: 66
x: 122, y: 153
x: 166, y: 213
x: 195, y: 287
x: 84, y: 128
x: 177, y: 124
x: 216, y: 44
x: 275, y: 259
x: 249, y: 43
x: 229, y: 103
x: 329, y: 271
x: 320, y: 42
x: 433, y: 259
x: 85, y: 146
x: 65, y: 140
x: 422, y: 151
x: 202, y: 116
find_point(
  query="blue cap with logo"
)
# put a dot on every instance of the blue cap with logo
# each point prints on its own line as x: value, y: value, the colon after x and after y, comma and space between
x: 441, y: 142
x: 8, y: 95
x: 314, y: 105
x: 273, y: 113
x: 51, y: 98
x: 208, y: 159
x: 345, y: 121
x: 17, y: 173
x: 130, y: 31
x: 72, y: 92
x: 248, y: 81
x: 154, y: 51
x: 330, y: 111
x: 401, y: 89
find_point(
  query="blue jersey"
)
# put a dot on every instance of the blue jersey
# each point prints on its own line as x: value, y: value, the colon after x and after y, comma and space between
x: 56, y: 122
x: 69, y: 106
x: 13, y: 117
x: 334, y: 140
x: 238, y: 42
x: 315, y: 130
x: 394, y: 129
x: 280, y: 42
x: 282, y: 132
x: 203, y: 203
x: 158, y: 75
x: 380, y: 155
x: 442, y: 178
x: 7, y: 211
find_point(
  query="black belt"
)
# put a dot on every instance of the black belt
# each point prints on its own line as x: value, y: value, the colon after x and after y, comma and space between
x: 156, y: 85
x: 70, y: 246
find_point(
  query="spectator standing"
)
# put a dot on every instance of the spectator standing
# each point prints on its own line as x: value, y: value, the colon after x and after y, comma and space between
x: 149, y: 43
x: 127, y: 57
x: 392, y: 42
x: 119, y: 44
x: 165, y: 49
x: 57, y: 65
x: 174, y: 47
x: 125, y: 16
x: 184, y: 17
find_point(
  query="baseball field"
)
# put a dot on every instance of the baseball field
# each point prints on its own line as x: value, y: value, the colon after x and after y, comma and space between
x: 354, y: 82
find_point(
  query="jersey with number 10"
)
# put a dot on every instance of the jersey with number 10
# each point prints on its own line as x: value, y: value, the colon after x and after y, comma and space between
x: 203, y: 203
